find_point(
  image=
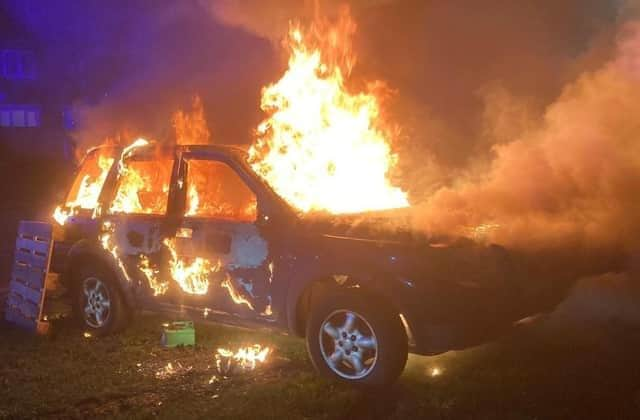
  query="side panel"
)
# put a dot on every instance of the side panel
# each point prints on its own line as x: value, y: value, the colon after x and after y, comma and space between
x: 221, y: 227
x: 347, y: 263
x: 241, y: 272
x: 136, y: 242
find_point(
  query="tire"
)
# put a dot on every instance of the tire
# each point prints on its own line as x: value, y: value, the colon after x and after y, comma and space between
x: 354, y: 338
x: 98, y: 302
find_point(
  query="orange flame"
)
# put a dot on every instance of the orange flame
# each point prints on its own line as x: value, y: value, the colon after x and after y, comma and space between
x: 138, y: 190
x: 107, y: 243
x: 86, y: 190
x: 158, y: 286
x: 247, y: 358
x: 193, y: 277
x: 215, y: 190
x: 193, y: 200
x: 236, y: 297
x: 191, y: 127
x: 321, y: 147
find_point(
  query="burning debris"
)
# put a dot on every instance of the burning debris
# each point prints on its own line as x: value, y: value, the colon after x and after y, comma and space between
x: 227, y: 363
x: 322, y: 147
x: 170, y: 370
x: 244, y: 359
x: 435, y: 371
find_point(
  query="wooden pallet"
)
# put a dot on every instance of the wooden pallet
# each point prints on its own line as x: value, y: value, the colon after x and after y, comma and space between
x: 24, y: 305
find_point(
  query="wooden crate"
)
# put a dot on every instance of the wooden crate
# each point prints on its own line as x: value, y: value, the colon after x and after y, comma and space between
x: 27, y: 287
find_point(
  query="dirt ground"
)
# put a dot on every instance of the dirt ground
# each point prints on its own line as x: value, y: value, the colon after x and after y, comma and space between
x: 543, y: 370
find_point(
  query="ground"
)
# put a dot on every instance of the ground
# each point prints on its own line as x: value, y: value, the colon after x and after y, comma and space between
x: 543, y: 370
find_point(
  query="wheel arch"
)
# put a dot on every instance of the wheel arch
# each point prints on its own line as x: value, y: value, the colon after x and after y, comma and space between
x: 300, y: 303
x: 85, y: 253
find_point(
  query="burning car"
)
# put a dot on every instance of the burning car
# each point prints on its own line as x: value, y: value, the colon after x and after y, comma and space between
x: 195, y: 229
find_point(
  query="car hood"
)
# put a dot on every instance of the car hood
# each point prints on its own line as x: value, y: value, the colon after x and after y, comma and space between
x: 388, y: 226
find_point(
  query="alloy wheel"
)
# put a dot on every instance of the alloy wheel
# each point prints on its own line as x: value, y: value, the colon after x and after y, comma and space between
x: 97, y: 307
x: 348, y: 344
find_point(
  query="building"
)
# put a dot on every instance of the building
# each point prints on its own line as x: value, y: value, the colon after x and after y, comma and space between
x: 33, y: 121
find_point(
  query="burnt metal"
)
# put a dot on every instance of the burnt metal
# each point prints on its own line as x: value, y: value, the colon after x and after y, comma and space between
x: 449, y: 292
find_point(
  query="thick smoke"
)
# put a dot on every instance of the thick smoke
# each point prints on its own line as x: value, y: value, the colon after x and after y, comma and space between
x: 570, y: 179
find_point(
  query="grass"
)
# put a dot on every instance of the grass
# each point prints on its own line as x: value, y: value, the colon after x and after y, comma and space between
x: 536, y: 372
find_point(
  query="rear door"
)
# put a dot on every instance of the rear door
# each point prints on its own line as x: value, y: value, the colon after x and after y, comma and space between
x: 219, y: 257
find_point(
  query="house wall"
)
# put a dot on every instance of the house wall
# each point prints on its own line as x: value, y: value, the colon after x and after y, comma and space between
x: 32, y: 105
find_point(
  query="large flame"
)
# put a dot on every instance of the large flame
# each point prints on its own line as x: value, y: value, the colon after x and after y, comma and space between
x: 191, y: 127
x: 322, y: 147
x: 143, y: 186
x: 192, y: 276
x: 86, y: 190
x: 215, y: 190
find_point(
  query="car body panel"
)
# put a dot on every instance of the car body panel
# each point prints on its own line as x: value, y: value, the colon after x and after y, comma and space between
x: 451, y: 294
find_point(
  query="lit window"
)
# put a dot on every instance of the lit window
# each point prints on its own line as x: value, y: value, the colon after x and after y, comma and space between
x: 5, y: 118
x: 19, y: 116
x: 17, y: 64
x: 31, y: 119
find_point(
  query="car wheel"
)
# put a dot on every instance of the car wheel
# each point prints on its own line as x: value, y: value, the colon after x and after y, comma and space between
x: 355, y: 339
x: 98, y: 302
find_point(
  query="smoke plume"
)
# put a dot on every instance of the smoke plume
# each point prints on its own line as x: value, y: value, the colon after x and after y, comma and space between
x: 569, y: 179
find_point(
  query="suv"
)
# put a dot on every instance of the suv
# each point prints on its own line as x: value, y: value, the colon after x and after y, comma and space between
x: 193, y: 228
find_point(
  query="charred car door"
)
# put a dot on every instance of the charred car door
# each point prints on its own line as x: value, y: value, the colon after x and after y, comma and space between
x: 219, y: 256
x: 136, y: 221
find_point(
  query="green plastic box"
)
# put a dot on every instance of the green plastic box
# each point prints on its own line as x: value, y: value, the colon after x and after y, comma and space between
x: 178, y: 333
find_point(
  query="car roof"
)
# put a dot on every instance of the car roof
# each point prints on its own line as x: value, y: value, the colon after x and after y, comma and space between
x: 234, y: 148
